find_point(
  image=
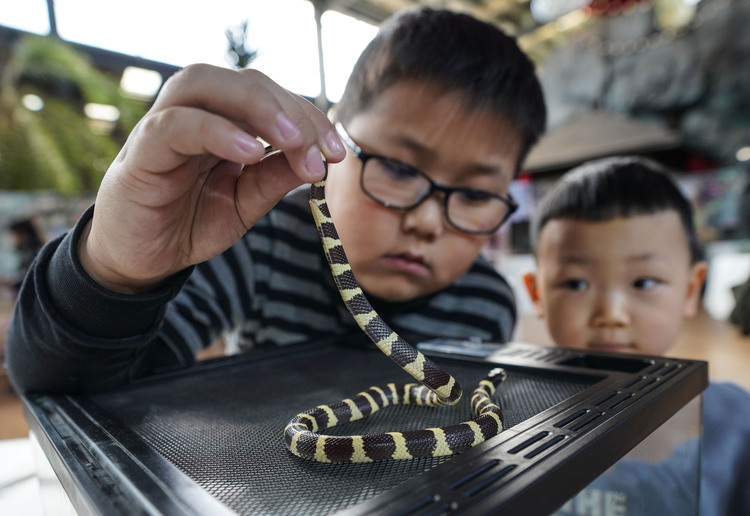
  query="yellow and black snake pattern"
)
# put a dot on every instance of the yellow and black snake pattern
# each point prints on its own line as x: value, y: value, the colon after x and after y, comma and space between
x: 437, y: 386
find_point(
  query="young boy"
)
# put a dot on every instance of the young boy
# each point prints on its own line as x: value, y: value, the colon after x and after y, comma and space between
x: 619, y: 267
x: 185, y: 244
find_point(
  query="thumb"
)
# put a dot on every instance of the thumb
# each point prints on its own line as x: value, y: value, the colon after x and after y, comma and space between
x: 262, y: 185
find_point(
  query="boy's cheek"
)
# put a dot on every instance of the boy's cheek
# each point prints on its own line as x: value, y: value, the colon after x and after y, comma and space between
x: 565, y: 334
x: 566, y: 323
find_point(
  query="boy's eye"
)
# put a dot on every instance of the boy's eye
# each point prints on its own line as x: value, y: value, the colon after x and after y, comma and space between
x: 575, y: 284
x: 645, y: 283
x: 471, y: 196
x: 398, y: 172
x: 474, y: 195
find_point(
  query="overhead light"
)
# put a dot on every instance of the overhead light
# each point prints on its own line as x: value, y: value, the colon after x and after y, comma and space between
x: 743, y: 154
x: 140, y: 82
x: 32, y: 102
x: 103, y: 112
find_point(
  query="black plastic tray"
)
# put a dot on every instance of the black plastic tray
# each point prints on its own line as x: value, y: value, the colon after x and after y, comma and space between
x: 208, y: 440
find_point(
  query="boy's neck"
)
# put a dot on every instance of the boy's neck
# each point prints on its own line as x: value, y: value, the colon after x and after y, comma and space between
x: 387, y: 308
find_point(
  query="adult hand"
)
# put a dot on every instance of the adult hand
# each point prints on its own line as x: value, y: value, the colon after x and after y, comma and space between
x: 177, y: 193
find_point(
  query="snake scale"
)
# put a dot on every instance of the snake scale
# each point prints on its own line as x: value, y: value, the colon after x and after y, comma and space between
x: 436, y: 388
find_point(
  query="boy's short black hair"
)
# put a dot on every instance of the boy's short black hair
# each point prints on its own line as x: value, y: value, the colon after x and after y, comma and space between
x: 457, y: 52
x: 620, y: 186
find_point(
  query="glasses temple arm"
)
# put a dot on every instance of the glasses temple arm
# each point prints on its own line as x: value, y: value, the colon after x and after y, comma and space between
x: 346, y: 138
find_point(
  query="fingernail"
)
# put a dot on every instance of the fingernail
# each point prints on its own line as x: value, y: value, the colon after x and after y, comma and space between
x: 248, y: 144
x: 287, y: 128
x: 334, y: 143
x: 314, y: 162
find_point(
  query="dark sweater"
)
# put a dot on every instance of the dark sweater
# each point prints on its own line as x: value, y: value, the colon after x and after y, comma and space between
x: 273, y: 287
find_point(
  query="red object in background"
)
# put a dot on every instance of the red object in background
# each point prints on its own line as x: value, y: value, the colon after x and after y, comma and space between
x: 524, y: 176
x: 611, y: 7
x: 699, y: 163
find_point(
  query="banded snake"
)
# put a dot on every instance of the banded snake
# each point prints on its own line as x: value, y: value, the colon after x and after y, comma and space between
x: 438, y: 388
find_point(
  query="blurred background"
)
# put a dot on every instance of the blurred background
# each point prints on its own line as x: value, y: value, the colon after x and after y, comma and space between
x: 668, y: 79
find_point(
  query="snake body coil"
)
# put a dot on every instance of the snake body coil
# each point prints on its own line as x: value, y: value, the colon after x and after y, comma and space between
x: 438, y: 387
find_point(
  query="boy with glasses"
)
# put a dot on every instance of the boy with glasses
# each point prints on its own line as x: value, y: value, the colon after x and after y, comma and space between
x: 186, y: 244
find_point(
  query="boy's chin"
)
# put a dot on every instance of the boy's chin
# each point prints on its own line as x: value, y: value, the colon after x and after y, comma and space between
x: 391, y: 297
x: 613, y: 347
x: 393, y: 293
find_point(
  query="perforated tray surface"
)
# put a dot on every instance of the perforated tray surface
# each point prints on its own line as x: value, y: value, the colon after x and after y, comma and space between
x: 220, y: 427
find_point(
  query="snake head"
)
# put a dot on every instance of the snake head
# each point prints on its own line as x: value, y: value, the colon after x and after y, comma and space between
x: 498, y: 371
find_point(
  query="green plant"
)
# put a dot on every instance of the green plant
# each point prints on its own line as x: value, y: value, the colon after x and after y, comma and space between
x: 57, y: 147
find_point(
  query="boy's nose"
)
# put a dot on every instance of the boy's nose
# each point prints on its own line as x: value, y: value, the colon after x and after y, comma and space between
x: 427, y: 219
x: 611, y: 310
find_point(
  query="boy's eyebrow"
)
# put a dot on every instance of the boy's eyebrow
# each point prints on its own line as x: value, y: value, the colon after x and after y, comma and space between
x: 574, y: 259
x: 642, y: 257
x: 476, y: 168
x: 579, y: 259
x: 648, y: 257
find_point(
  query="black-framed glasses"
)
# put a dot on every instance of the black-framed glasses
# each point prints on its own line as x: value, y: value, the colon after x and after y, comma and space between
x: 395, y: 184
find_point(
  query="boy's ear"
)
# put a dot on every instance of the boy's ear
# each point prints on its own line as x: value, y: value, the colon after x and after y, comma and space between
x: 695, y: 288
x: 529, y: 281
